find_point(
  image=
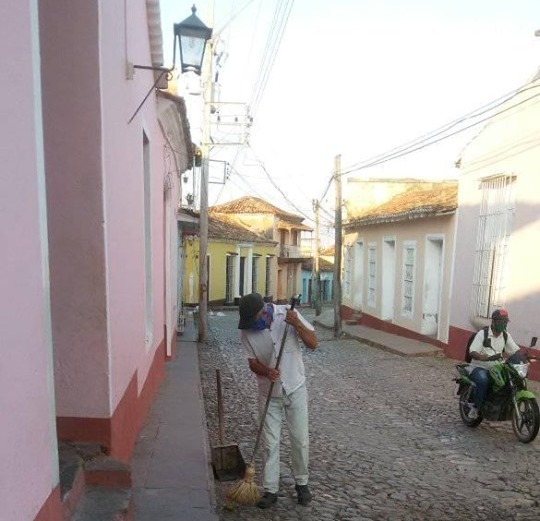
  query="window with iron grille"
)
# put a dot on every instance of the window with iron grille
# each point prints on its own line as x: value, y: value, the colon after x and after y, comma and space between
x: 229, y: 278
x: 409, y: 269
x: 494, y: 229
x: 254, y: 273
x: 372, y: 275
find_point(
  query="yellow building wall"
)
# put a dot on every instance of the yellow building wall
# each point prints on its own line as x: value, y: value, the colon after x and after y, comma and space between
x: 217, y: 253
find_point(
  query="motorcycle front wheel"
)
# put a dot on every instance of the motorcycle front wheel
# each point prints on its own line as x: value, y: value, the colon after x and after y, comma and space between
x: 468, y: 413
x: 527, y: 422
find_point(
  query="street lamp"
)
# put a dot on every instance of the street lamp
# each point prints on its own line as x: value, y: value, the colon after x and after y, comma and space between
x: 192, y: 36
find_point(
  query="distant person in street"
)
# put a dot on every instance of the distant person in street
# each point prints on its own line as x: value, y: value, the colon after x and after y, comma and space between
x: 485, y: 353
x: 262, y: 327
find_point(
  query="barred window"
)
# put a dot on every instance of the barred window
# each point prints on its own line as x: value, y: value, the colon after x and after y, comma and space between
x: 409, y: 268
x: 372, y: 275
x: 494, y: 229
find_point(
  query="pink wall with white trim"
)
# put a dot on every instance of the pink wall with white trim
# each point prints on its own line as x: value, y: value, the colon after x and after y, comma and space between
x: 29, y: 469
x: 124, y: 192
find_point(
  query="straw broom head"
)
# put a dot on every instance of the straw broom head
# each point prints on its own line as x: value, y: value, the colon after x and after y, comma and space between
x: 245, y: 491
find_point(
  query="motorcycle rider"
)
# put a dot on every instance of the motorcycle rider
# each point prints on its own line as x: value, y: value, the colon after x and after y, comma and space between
x: 485, y: 353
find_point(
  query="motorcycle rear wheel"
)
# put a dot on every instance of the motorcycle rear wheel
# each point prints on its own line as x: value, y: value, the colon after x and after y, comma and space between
x: 466, y: 409
x: 526, y: 427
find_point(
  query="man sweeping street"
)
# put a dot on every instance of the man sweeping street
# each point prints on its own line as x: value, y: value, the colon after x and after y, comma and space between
x: 263, y: 326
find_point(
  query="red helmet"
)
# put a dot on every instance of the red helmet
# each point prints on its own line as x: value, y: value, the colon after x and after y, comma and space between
x: 500, y: 314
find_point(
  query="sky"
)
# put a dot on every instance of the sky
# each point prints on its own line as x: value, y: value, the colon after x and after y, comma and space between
x: 351, y: 77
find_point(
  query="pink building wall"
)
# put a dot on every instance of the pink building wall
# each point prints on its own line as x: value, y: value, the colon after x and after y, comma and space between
x: 73, y: 153
x: 78, y: 362
x: 124, y: 193
x: 29, y: 471
x: 107, y: 366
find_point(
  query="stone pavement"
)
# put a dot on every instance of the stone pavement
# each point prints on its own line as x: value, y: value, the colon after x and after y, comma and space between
x: 171, y: 473
x: 387, y: 442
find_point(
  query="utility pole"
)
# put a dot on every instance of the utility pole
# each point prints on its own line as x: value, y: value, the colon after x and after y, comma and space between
x: 337, y: 252
x: 317, y: 278
x: 205, y: 164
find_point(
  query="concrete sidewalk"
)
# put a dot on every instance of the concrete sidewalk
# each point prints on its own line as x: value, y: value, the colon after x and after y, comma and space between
x: 171, y: 468
x: 389, y: 342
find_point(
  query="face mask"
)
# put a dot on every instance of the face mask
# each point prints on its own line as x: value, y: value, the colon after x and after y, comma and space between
x: 265, y: 318
x: 499, y: 326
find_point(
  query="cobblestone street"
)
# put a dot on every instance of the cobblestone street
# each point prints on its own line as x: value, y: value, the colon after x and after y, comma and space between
x: 387, y: 442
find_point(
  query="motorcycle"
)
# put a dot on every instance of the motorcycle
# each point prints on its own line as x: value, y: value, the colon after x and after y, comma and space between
x: 508, y: 398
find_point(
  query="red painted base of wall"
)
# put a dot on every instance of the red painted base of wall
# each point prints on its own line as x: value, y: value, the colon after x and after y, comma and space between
x: 457, y: 342
x: 52, y: 508
x: 388, y: 327
x: 108, y: 478
x: 117, y: 435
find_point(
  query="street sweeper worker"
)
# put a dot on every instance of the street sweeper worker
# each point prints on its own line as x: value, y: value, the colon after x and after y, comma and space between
x: 262, y: 326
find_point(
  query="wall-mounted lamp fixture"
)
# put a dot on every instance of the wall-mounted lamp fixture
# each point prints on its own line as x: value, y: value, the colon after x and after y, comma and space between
x: 192, y: 36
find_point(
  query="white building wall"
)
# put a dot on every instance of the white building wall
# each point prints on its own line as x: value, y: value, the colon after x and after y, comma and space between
x: 508, y: 145
x: 407, y: 232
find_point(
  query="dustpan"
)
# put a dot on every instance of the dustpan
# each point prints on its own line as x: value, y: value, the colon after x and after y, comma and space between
x: 227, y: 460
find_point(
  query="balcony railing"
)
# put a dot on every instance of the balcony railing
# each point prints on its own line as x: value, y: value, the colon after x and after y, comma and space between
x: 292, y: 252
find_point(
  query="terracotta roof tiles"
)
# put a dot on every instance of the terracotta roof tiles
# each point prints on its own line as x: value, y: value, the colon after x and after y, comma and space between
x: 223, y: 228
x: 413, y: 204
x: 249, y: 204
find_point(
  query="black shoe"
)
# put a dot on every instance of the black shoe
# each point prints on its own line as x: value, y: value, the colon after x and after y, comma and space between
x: 304, y: 495
x: 267, y: 500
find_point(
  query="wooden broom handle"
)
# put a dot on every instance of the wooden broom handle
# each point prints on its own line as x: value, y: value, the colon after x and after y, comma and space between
x: 219, y: 406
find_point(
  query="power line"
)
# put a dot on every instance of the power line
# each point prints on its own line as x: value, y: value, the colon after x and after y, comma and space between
x: 475, y: 113
x: 327, y: 187
x: 410, y: 150
x: 427, y: 139
x: 277, y: 30
x: 263, y: 166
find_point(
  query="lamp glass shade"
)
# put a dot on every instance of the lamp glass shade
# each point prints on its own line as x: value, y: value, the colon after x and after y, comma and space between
x: 192, y: 35
x: 192, y: 53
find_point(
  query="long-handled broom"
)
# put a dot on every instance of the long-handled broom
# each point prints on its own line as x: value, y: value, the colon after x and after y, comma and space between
x: 245, y: 491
